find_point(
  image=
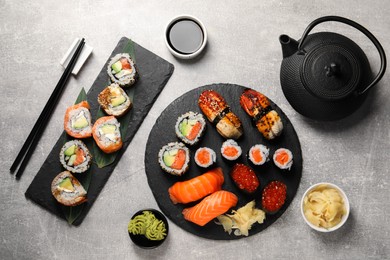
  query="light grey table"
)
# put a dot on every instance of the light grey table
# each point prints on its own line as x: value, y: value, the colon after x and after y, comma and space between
x: 243, y: 49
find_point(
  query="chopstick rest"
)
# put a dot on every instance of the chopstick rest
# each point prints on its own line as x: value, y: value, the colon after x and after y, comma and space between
x: 85, y: 53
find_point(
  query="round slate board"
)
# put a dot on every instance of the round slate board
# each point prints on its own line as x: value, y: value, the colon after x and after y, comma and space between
x: 163, y: 132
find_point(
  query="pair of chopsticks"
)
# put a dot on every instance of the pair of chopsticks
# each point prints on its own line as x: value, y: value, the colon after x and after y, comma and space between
x: 39, y: 127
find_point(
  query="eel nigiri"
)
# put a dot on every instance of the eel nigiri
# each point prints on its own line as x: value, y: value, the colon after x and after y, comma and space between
x: 77, y: 121
x: 218, y: 112
x: 210, y: 207
x: 196, y: 188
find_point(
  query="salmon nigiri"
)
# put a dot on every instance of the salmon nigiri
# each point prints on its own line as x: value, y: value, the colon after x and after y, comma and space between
x: 210, y: 207
x: 196, y: 188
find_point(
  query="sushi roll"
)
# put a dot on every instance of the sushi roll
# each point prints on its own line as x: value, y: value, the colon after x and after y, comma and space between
x: 230, y: 150
x: 75, y: 156
x: 121, y: 69
x: 67, y: 190
x: 174, y: 158
x: 258, y: 154
x: 114, y: 100
x: 190, y: 127
x: 205, y: 157
x: 107, y: 135
x: 283, y: 158
x: 77, y: 121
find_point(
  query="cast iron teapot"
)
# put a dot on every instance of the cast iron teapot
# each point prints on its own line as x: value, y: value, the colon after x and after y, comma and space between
x: 325, y: 75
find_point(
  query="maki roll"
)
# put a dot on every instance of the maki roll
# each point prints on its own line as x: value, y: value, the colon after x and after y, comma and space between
x: 67, y: 190
x: 114, y: 100
x: 230, y: 150
x: 205, y: 157
x: 75, y: 156
x: 283, y: 158
x: 107, y: 135
x: 121, y: 69
x: 190, y: 127
x: 258, y: 154
x: 77, y: 121
x: 174, y: 158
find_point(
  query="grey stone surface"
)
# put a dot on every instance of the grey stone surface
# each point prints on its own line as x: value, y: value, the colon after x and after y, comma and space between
x: 243, y: 49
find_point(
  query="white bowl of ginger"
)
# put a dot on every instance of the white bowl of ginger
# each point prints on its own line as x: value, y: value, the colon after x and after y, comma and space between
x: 325, y: 207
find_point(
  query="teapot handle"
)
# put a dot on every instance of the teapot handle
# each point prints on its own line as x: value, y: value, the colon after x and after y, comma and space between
x: 360, y: 28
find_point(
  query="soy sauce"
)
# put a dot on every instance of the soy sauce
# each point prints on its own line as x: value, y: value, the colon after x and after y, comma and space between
x: 185, y: 36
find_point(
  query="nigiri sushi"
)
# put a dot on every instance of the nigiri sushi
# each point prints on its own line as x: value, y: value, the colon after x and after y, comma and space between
x: 107, y: 135
x: 210, y: 207
x: 77, y: 121
x: 196, y: 188
x: 218, y: 112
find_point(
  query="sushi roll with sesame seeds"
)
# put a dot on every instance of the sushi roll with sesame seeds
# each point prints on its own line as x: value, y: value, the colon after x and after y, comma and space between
x: 114, y: 100
x: 174, y: 158
x: 205, y: 157
x: 122, y: 70
x: 258, y: 154
x: 75, y: 156
x: 67, y: 190
x: 190, y: 127
x: 230, y: 150
x: 283, y: 158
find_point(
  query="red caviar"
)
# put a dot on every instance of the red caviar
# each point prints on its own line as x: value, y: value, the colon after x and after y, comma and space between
x: 274, y: 196
x: 245, y: 178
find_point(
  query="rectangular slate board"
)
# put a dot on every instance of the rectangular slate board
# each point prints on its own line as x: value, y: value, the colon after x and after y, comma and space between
x: 154, y: 73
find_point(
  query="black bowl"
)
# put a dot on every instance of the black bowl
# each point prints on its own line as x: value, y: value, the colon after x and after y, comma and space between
x: 141, y: 240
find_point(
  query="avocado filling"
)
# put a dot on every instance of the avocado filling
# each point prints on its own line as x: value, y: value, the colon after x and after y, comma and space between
x: 80, y: 121
x: 169, y: 157
x: 66, y: 185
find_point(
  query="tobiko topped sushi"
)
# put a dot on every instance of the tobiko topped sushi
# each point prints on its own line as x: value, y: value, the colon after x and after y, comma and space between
x: 75, y: 156
x: 190, y: 127
x: 77, y: 121
x: 114, y: 100
x: 174, y: 158
x: 121, y: 69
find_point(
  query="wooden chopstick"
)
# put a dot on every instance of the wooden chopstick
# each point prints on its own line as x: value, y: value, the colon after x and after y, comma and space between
x: 39, y: 127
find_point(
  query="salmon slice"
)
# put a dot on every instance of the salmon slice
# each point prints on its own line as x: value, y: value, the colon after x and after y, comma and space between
x: 80, y: 157
x: 180, y: 160
x: 210, y: 207
x: 196, y: 188
x: 194, y: 131
x: 257, y: 155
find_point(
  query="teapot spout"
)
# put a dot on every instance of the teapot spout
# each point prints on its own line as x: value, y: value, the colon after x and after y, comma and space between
x: 289, y: 45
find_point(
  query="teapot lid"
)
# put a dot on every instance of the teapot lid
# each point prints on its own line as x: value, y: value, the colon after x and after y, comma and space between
x: 331, y: 71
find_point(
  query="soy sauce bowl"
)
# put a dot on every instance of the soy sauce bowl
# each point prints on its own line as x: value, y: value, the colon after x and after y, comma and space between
x: 185, y: 36
x: 141, y: 240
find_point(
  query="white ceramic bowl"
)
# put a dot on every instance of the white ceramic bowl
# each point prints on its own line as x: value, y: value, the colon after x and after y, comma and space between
x: 346, y: 203
x: 181, y: 55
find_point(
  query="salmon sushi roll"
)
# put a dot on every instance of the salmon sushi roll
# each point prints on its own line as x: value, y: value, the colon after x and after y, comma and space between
x: 67, y: 190
x: 258, y: 154
x: 190, y: 127
x: 77, y: 121
x: 107, y: 135
x: 283, y: 158
x: 114, y: 100
x: 122, y: 70
x: 75, y: 156
x: 205, y: 157
x: 174, y: 158
x: 230, y: 150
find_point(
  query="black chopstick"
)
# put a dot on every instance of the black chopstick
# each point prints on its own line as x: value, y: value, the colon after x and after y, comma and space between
x: 36, y: 132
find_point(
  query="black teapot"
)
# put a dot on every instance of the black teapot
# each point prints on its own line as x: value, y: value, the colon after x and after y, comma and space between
x: 325, y: 75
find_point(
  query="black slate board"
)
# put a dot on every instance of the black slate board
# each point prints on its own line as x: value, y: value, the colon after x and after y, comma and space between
x: 154, y: 73
x: 163, y: 132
